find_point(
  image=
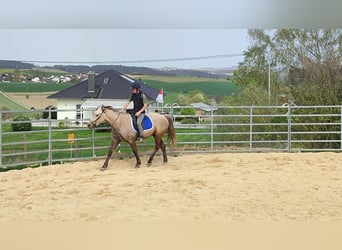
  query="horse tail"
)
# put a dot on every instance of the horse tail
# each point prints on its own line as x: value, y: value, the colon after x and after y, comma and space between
x: 171, y: 132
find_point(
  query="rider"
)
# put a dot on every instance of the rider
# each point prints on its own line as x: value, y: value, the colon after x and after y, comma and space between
x: 139, y: 106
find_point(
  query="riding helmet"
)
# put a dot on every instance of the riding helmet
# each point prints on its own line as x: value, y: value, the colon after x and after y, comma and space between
x: 136, y: 85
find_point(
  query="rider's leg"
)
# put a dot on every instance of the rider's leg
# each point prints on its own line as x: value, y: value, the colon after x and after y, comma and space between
x: 139, y: 124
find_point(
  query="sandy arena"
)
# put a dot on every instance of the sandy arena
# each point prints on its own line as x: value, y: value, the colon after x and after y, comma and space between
x: 202, y: 187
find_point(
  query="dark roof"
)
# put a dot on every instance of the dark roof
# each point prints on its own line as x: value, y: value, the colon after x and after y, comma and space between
x: 110, y: 84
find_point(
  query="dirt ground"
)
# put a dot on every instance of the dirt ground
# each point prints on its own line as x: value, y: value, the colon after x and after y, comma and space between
x: 36, y: 100
x: 201, y: 187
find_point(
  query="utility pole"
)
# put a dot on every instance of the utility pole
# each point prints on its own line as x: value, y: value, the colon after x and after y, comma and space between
x: 269, y: 82
x: 268, y: 59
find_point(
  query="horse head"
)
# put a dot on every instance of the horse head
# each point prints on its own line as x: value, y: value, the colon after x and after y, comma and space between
x: 97, y: 118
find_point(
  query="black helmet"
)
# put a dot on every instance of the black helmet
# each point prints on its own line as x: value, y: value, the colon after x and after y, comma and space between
x: 136, y: 85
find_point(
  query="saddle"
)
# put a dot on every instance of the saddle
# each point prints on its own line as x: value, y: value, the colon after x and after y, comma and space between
x: 147, y: 123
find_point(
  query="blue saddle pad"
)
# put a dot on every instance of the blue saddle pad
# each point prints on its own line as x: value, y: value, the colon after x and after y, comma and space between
x: 147, y: 124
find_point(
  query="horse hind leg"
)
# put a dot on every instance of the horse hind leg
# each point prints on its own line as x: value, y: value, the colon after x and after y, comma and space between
x: 158, y: 143
x: 164, y: 151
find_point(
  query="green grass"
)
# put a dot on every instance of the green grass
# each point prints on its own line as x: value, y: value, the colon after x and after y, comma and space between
x: 172, y: 86
x: 8, y: 104
x: 37, y: 140
x: 35, y: 71
x: 32, y: 87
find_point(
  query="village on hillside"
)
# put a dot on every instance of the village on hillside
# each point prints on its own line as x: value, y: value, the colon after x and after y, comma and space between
x: 40, y: 77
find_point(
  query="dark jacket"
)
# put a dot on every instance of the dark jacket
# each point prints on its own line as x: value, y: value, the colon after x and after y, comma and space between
x: 138, y: 102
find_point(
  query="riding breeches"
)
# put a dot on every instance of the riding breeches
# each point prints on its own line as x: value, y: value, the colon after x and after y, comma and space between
x: 139, y: 123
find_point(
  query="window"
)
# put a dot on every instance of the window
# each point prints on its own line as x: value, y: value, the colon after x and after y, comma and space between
x: 106, y: 80
x: 78, y: 112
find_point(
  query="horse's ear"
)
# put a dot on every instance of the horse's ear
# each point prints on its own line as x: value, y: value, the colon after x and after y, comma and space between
x: 102, y: 107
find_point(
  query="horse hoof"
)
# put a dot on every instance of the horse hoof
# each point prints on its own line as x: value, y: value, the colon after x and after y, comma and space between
x: 149, y: 164
x: 137, y: 166
x: 103, y: 168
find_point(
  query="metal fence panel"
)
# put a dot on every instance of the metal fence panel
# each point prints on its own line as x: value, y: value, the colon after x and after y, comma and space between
x: 220, y: 129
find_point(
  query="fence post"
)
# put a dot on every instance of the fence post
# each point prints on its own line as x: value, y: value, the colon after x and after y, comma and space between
x: 0, y: 138
x: 212, y: 127
x: 50, y: 139
x: 171, y: 113
x: 251, y: 127
x: 93, y: 141
x: 289, y: 128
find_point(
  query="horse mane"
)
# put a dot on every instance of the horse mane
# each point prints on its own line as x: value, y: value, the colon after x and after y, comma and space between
x: 111, y: 108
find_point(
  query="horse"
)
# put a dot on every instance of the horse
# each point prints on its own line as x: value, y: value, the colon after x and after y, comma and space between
x: 122, y: 130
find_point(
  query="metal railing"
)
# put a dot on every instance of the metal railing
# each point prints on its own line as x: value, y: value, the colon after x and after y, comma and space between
x: 219, y: 129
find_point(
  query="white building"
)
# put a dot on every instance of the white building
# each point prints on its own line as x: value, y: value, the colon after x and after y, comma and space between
x: 109, y: 88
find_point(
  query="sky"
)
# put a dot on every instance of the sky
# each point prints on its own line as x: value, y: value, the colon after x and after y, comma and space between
x: 137, y: 47
x: 150, y: 33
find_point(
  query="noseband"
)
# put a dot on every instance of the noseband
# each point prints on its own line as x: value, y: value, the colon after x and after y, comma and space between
x: 97, y: 118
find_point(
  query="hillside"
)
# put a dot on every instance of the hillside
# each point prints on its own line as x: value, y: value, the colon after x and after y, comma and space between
x: 5, y: 64
x: 33, y: 94
x: 132, y: 70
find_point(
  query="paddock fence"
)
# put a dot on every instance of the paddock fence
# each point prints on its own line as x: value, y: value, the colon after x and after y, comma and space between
x: 286, y: 128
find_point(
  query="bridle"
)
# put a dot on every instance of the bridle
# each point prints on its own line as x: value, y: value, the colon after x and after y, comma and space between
x: 100, y: 115
x: 97, y: 118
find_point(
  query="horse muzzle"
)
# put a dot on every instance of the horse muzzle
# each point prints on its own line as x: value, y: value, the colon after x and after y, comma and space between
x: 91, y: 125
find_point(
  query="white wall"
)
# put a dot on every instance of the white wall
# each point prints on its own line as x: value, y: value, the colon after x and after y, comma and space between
x: 64, y: 104
x: 89, y: 106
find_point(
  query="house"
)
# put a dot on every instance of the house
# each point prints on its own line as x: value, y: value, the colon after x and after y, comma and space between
x: 110, y: 88
x: 203, y: 110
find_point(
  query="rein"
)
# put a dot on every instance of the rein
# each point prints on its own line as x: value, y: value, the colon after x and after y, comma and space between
x: 103, y: 111
x: 94, y: 122
x: 116, y: 117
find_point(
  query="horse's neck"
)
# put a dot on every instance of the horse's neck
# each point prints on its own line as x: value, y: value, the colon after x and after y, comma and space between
x: 115, y: 118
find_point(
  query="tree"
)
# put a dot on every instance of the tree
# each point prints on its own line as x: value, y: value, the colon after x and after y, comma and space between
x: 306, y: 68
x: 193, y: 96
x: 182, y: 99
x: 197, y: 96
x: 306, y: 65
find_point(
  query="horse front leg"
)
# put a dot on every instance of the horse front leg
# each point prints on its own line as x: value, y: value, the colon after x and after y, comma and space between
x: 136, y: 154
x: 115, y: 141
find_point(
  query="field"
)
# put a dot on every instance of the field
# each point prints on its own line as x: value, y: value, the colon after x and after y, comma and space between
x: 32, y: 87
x: 20, y: 96
x: 38, y: 100
x: 172, y: 86
x: 6, y: 103
x: 27, y: 95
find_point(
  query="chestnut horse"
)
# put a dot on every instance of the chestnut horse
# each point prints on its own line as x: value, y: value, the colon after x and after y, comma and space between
x: 123, y: 131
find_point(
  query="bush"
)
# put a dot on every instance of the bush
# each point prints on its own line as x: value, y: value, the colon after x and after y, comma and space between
x: 22, y: 126
x: 188, y: 120
x: 6, y: 115
x: 187, y: 111
x: 64, y: 124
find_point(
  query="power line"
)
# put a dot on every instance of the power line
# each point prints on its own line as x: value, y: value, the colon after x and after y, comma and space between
x: 140, y: 61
